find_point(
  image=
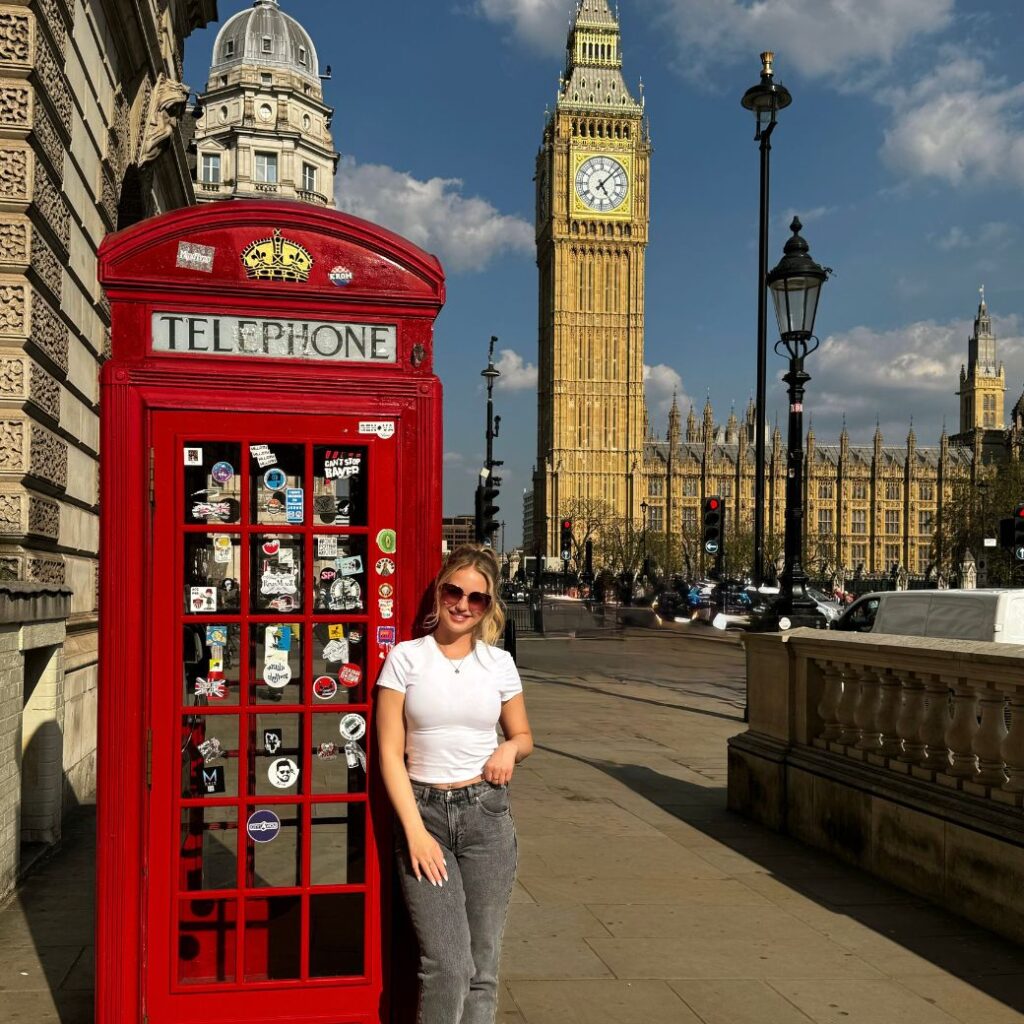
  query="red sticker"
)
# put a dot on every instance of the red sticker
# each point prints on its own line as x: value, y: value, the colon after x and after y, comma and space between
x: 271, y: 547
x: 350, y: 674
x: 324, y: 688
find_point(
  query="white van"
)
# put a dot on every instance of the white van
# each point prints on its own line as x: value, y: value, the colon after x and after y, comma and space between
x: 993, y: 615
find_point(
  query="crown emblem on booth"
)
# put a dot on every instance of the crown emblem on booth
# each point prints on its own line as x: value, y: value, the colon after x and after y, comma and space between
x: 276, y: 259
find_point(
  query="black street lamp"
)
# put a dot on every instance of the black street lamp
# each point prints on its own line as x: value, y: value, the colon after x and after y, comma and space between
x: 795, y: 285
x: 643, y: 534
x: 765, y: 99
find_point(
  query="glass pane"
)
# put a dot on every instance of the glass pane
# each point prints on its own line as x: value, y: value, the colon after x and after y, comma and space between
x: 330, y: 770
x: 211, y: 663
x: 339, y: 573
x: 275, y: 662
x: 276, y: 572
x: 212, y: 485
x: 339, y: 663
x: 273, y: 844
x: 207, y: 941
x: 275, y: 759
x: 273, y: 938
x: 211, y: 573
x: 276, y: 483
x: 209, y: 755
x: 339, y: 844
x: 339, y: 485
x: 209, y: 846
x: 336, y: 934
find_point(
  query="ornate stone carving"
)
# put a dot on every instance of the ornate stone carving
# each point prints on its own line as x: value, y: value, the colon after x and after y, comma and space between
x: 44, y: 391
x: 44, y: 570
x: 15, y: 38
x: 166, y: 105
x: 10, y: 513
x: 50, y: 204
x: 12, y: 446
x: 12, y: 378
x: 48, y: 456
x: 46, y: 135
x: 55, y: 23
x: 10, y: 567
x: 108, y: 197
x: 14, y: 104
x: 14, y: 173
x: 45, y: 264
x: 12, y: 308
x: 49, y: 332
x: 55, y: 86
x: 14, y: 242
x: 43, y: 517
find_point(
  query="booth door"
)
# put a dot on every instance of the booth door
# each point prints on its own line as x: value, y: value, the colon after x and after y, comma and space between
x: 273, y: 604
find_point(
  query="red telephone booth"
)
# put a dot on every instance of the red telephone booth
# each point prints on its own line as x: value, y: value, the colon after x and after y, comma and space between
x: 271, y: 517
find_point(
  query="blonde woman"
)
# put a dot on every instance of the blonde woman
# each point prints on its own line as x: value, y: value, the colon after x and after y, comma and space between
x: 440, y: 700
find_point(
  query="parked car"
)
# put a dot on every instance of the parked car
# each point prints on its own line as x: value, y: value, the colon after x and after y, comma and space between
x: 992, y: 615
x: 829, y: 607
x: 858, y: 617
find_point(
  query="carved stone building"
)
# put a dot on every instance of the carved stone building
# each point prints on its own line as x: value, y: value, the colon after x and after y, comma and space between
x: 592, y: 174
x: 982, y: 391
x: 265, y: 131
x: 90, y: 94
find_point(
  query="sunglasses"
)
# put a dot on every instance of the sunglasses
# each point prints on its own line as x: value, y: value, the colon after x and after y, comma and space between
x: 452, y: 595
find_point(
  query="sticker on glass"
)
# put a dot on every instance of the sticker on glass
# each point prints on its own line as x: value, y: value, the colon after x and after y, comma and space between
x: 274, y: 479
x: 293, y: 505
x: 222, y: 547
x: 286, y: 556
x: 352, y: 727
x: 274, y: 505
x: 216, y: 636
x: 386, y: 607
x: 226, y: 510
x: 350, y: 674
x: 327, y: 547
x: 336, y: 631
x: 327, y: 751
x: 345, y: 595
x: 216, y: 665
x: 272, y: 582
x: 349, y: 565
x: 210, y: 749
x: 382, y: 428
x: 271, y: 547
x: 222, y: 472
x: 283, y: 603
x: 263, y: 455
x: 325, y: 688
x: 212, y: 689
x: 193, y: 456
x: 336, y: 650
x: 283, y: 772
x: 263, y: 826
x: 203, y: 599
x: 277, y: 673
x: 385, y: 567
x: 213, y: 779
x: 387, y: 541
x: 277, y: 638
x: 272, y: 740
x: 341, y: 465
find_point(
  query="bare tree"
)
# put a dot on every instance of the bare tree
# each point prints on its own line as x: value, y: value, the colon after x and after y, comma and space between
x: 591, y: 519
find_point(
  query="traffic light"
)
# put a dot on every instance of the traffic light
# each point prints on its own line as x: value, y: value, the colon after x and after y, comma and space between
x: 565, y: 540
x: 1018, y: 534
x: 488, y: 510
x: 714, y: 525
x: 478, y: 514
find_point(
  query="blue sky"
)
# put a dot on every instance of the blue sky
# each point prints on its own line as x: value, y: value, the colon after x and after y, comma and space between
x: 903, y: 153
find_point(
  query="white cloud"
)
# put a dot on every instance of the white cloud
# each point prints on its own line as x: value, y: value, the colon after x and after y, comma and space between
x: 465, y: 232
x: 661, y: 382
x: 541, y: 24
x: 957, y: 125
x: 453, y: 458
x: 806, y: 216
x: 993, y: 235
x: 911, y: 371
x: 515, y: 374
x: 816, y: 37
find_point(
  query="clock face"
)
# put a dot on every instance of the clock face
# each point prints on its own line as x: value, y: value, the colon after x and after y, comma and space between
x: 601, y: 183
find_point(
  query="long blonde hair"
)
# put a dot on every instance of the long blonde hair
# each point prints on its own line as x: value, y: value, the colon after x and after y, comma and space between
x: 491, y: 626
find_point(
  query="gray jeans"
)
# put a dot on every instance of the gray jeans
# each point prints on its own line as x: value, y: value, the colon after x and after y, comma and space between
x: 459, y: 926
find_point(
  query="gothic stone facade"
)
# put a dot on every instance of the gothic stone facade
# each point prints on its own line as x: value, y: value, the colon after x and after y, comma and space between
x: 90, y: 94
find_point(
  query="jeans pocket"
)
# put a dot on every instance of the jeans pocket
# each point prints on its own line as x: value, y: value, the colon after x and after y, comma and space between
x: 495, y: 801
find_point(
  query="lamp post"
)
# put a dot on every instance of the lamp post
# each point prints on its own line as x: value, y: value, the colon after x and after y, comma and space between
x: 795, y: 285
x: 765, y: 99
x: 487, y: 489
x: 643, y: 536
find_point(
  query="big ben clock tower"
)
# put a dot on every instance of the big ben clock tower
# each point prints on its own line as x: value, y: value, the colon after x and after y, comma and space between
x: 592, y: 218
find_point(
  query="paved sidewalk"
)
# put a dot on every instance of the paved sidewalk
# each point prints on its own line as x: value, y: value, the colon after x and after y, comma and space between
x: 640, y: 900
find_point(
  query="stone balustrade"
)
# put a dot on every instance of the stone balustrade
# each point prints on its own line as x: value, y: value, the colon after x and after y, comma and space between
x: 901, y: 755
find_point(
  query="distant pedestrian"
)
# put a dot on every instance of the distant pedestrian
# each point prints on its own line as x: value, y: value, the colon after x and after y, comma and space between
x: 441, y: 698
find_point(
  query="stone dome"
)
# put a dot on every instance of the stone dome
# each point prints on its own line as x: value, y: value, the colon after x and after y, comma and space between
x: 265, y: 36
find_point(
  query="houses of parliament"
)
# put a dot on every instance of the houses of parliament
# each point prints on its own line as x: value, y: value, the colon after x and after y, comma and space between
x: 866, y: 507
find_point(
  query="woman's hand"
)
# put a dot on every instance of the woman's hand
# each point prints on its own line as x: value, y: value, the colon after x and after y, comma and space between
x: 500, y: 765
x: 427, y: 858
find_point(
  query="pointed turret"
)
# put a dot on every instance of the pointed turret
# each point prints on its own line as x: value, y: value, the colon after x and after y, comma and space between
x: 674, y: 429
x: 692, y: 435
x: 732, y: 428
x: 593, y: 62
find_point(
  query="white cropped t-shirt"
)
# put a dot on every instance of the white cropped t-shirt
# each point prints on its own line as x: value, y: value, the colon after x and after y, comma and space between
x: 450, y: 718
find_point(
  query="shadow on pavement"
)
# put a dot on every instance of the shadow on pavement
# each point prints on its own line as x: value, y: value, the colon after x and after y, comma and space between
x: 981, y: 958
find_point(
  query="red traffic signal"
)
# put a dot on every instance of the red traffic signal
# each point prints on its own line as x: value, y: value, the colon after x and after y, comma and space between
x: 566, y: 524
x: 713, y: 503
